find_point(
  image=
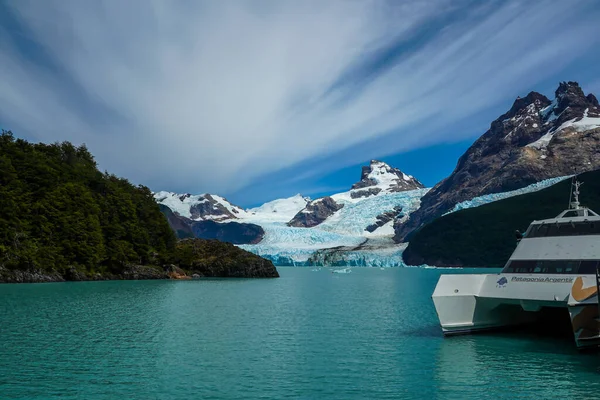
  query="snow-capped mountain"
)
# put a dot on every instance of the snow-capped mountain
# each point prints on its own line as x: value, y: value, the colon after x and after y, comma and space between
x: 537, y: 139
x: 202, y: 207
x: 379, y: 177
x: 355, y: 226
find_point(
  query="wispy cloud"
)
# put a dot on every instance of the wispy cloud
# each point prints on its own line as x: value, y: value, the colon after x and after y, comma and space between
x: 207, y: 96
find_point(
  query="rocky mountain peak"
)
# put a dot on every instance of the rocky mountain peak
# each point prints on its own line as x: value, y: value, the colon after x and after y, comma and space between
x: 569, y: 89
x: 199, y: 207
x: 522, y: 104
x: 379, y: 175
x: 536, y: 139
x: 315, y: 212
x: 571, y: 102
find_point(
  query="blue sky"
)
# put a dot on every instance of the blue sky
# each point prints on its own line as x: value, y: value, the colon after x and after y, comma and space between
x: 261, y: 99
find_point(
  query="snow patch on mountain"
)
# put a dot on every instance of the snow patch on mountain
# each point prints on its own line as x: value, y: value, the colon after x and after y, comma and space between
x: 583, y: 124
x: 179, y: 204
x: 280, y: 210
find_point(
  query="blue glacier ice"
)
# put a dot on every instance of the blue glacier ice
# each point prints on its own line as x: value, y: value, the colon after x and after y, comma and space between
x: 488, y: 198
x: 342, y: 240
x: 286, y: 245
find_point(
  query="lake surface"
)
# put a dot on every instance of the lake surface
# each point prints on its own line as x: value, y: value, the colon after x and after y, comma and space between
x: 310, y: 334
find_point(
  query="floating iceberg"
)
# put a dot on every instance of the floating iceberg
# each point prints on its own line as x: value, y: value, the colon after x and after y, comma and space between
x: 341, y: 271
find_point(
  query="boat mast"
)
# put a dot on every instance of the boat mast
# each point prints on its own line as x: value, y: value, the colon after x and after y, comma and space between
x: 575, y: 203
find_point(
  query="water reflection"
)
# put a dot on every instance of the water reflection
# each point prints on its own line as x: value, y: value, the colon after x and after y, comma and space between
x: 513, y: 366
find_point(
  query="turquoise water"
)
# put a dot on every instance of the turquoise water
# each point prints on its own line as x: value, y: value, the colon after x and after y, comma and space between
x: 312, y: 335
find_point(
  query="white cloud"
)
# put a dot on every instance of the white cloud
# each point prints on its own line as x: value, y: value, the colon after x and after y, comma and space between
x: 209, y: 95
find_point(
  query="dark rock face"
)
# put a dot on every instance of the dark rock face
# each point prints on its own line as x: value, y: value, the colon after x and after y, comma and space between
x: 383, y: 219
x: 214, y: 259
x: 130, y: 272
x: 315, y: 212
x: 365, y: 193
x: 379, y: 173
x: 535, y: 140
x: 24, y: 276
x: 180, y: 225
x: 232, y: 232
x: 143, y: 272
x: 211, y: 207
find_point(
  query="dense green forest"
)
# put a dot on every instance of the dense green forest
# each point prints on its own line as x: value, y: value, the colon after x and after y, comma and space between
x: 59, y: 213
x: 485, y: 236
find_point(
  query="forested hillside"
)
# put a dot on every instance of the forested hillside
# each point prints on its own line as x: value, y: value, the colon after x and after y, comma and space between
x: 485, y: 236
x: 61, y: 216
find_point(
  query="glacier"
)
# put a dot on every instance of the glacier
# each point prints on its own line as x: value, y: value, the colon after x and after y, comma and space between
x: 342, y: 241
x: 488, y: 198
x: 344, y: 230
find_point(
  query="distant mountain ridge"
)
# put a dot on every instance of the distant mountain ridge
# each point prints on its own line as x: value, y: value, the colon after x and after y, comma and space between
x: 290, y: 231
x: 535, y: 140
x: 298, y: 211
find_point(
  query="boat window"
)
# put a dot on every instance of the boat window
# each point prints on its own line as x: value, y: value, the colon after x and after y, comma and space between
x: 553, y: 230
x: 551, y: 267
x: 565, y: 229
x: 520, y: 267
x: 588, y: 267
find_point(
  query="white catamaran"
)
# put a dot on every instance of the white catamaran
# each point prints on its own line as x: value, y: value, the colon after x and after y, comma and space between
x: 554, y: 269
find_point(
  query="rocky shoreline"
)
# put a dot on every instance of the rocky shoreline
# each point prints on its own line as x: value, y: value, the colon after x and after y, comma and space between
x: 196, y: 259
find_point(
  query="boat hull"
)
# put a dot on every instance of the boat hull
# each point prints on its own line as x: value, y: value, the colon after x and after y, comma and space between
x: 468, y: 304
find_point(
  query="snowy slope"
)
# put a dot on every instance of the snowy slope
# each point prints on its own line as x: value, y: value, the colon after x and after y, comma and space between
x: 357, y: 214
x: 280, y: 210
x: 199, y: 207
x: 576, y: 124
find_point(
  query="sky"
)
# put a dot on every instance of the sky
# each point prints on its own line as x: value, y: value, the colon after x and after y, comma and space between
x: 261, y: 99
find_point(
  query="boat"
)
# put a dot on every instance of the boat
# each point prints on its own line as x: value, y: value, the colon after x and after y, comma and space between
x: 550, y: 279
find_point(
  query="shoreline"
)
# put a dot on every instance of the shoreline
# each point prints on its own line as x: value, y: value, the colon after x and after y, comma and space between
x: 132, y: 273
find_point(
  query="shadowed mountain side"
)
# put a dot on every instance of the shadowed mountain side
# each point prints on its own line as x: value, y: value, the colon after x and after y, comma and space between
x: 485, y: 236
x: 231, y: 232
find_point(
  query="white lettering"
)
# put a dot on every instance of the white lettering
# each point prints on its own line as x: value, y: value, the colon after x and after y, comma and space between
x: 541, y: 279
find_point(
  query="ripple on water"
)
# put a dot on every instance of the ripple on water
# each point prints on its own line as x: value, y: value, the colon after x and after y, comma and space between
x: 367, y: 334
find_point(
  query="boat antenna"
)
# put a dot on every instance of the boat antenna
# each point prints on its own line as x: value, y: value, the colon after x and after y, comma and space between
x: 575, y: 204
x: 571, y: 192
